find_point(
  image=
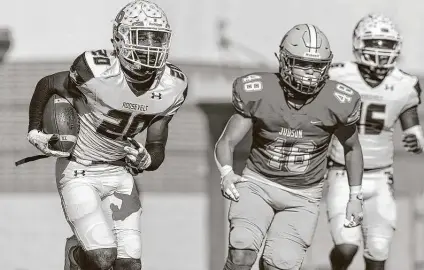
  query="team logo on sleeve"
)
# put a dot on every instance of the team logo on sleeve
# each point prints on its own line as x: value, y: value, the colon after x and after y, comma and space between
x: 250, y: 78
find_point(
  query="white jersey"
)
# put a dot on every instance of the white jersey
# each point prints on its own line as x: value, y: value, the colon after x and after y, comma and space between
x: 381, y: 108
x: 110, y: 111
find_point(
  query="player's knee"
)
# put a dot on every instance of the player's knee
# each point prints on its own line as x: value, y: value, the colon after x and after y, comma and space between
x: 377, y: 249
x: 241, y: 259
x: 127, y: 264
x: 242, y: 238
x: 129, y: 246
x: 103, y: 258
x: 341, y: 256
x: 284, y: 258
x: 345, y: 252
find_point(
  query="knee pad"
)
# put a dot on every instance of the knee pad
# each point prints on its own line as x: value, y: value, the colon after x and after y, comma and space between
x: 377, y: 248
x: 240, y: 259
x: 129, y: 245
x: 243, y: 238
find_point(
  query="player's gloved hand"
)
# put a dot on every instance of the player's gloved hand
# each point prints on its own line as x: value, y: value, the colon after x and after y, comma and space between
x: 411, y: 143
x: 354, y: 212
x: 42, y: 140
x: 228, y: 187
x: 137, y: 156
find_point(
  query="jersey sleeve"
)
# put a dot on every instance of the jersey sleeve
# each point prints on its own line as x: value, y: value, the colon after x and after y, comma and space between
x: 414, y: 97
x: 347, y: 104
x: 181, y: 98
x: 246, y: 94
x: 80, y: 71
x: 180, y: 82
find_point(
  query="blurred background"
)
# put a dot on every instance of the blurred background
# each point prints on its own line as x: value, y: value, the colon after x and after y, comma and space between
x: 184, y: 219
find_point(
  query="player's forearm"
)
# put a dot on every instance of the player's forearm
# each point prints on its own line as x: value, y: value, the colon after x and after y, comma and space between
x: 224, y: 151
x: 354, y: 166
x: 157, y: 155
x: 42, y: 93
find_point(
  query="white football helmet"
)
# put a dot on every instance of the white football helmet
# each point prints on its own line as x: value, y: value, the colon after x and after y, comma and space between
x: 142, y: 36
x: 376, y: 41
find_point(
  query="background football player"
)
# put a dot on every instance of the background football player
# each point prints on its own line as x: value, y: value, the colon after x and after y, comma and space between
x: 117, y: 94
x: 388, y: 94
x: 293, y: 115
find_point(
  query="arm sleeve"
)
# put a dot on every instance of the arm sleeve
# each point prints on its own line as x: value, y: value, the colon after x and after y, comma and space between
x: 44, y: 90
x: 409, y: 118
x: 63, y: 83
x: 157, y: 136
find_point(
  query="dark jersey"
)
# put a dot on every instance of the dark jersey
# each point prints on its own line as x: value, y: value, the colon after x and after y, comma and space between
x: 290, y: 146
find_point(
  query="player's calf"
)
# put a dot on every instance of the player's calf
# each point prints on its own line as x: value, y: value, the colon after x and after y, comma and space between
x: 374, y: 265
x: 127, y: 264
x: 342, y: 255
x: 98, y: 259
x: 240, y: 259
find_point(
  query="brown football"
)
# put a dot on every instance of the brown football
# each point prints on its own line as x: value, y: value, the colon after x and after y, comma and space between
x: 61, y: 118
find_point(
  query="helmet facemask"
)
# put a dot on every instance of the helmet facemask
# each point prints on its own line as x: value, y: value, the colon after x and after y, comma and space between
x: 142, y: 38
x: 304, y: 75
x: 376, y: 42
x: 304, y: 57
x: 378, y: 53
x: 143, y: 51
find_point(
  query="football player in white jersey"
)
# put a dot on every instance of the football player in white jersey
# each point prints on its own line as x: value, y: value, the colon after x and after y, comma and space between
x: 117, y: 95
x: 388, y: 94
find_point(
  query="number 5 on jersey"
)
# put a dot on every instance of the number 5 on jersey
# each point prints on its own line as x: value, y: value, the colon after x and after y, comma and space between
x: 343, y: 93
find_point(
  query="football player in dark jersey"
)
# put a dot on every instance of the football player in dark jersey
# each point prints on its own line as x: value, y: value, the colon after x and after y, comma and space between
x: 293, y: 115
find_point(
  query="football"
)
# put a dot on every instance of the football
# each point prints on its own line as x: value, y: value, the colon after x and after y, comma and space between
x: 61, y: 118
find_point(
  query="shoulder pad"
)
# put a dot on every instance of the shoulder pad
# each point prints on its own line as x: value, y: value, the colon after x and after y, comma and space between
x: 175, y: 72
x: 403, y: 76
x: 247, y: 90
x: 80, y: 71
x: 340, y: 69
x: 410, y: 83
x: 174, y: 76
x: 89, y: 65
x: 405, y: 73
x: 337, y: 65
x: 344, y: 102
